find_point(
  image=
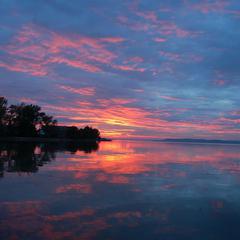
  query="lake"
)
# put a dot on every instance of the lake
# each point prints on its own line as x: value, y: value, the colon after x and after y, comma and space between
x: 119, y: 190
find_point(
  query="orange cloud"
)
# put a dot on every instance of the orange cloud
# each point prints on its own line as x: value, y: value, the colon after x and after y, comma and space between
x: 117, y: 118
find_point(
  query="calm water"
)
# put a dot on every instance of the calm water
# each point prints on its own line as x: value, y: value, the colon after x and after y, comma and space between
x: 120, y: 190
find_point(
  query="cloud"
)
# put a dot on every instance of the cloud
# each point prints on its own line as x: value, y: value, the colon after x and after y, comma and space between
x: 133, y: 69
x: 210, y: 6
x: 160, y: 40
x: 118, y: 117
x: 36, y: 50
x: 86, y: 91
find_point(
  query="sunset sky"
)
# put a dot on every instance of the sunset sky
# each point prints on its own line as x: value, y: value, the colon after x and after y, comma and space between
x: 132, y: 68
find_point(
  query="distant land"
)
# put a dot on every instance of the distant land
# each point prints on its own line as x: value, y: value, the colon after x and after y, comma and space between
x: 192, y: 140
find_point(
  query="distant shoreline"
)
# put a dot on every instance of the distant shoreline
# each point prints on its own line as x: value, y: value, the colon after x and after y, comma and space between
x: 198, y: 141
x: 186, y: 141
x: 54, y: 140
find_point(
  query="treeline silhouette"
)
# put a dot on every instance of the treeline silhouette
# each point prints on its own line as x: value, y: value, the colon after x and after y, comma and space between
x: 27, y: 120
x: 26, y: 157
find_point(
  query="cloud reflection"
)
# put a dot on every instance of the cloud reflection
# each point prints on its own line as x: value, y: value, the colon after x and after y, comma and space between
x: 121, y: 190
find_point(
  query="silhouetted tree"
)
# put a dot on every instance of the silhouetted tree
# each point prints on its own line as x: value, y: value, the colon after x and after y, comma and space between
x: 72, y: 132
x: 89, y: 133
x: 3, y: 116
x: 23, y: 119
x: 3, y: 110
x: 49, y: 131
x: 48, y: 124
x: 27, y: 120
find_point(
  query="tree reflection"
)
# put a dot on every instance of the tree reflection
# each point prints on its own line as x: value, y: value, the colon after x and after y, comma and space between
x: 27, y: 157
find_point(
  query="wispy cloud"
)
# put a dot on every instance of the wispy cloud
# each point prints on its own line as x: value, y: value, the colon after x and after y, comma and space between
x: 133, y: 69
x: 86, y: 91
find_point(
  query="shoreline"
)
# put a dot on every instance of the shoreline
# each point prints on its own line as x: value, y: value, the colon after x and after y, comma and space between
x: 54, y: 140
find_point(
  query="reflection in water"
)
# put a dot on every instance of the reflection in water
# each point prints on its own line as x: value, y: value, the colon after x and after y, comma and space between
x: 126, y: 190
x: 28, y: 157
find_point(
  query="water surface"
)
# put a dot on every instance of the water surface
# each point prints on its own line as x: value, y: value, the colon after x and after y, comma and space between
x: 119, y: 190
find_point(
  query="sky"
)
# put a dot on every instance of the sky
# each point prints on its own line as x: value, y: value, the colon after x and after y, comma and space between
x: 132, y: 68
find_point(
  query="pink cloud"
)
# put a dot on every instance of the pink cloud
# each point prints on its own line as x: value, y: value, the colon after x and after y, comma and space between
x: 220, y: 78
x: 83, y: 188
x: 131, y: 64
x: 160, y: 39
x: 170, y: 98
x: 28, y: 100
x: 113, y: 40
x: 229, y: 120
x: 217, y: 6
x: 122, y: 19
x: 86, y: 91
x: 128, y: 68
x: 220, y: 82
x: 34, y: 50
x: 135, y: 60
x: 119, y: 101
x: 184, y: 58
x: 117, y: 118
x: 25, y: 67
x: 236, y: 113
x: 71, y: 215
x: 152, y: 25
x: 213, y: 6
x: 167, y: 28
x: 170, y: 55
x: 148, y: 15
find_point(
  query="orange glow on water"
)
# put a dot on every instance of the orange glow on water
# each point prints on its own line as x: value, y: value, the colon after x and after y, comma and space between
x: 84, y: 184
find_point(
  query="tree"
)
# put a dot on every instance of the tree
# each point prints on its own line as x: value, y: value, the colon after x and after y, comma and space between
x: 47, y: 120
x: 72, y: 132
x: 48, y: 126
x: 28, y: 120
x: 89, y: 133
x: 3, y: 110
x: 3, y: 116
x: 23, y: 119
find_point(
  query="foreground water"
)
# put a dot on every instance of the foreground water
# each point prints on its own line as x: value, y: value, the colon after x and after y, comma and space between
x: 120, y: 190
